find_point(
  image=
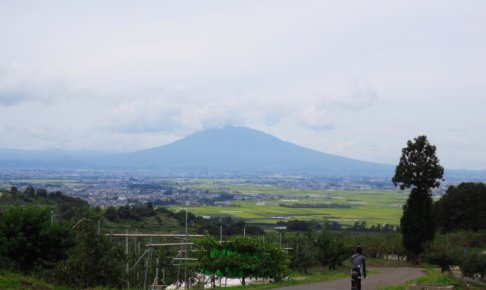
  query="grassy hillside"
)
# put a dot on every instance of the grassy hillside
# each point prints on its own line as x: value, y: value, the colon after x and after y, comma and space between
x: 9, y: 280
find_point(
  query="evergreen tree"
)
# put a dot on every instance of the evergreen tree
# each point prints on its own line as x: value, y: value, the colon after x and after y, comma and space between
x: 418, y: 169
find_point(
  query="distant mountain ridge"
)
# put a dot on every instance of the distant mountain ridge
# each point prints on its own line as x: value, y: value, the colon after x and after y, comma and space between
x: 245, y: 150
x: 228, y: 150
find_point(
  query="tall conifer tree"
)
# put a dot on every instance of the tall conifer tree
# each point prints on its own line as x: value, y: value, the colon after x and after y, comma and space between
x: 418, y: 169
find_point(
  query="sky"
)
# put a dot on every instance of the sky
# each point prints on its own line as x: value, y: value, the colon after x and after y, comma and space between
x: 352, y: 78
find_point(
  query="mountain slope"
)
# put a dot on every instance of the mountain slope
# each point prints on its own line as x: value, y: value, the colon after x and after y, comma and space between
x: 244, y: 150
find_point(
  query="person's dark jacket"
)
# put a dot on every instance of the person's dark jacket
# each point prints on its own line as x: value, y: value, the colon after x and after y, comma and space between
x: 358, y: 262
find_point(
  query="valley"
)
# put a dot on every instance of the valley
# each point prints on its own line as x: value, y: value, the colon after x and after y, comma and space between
x: 263, y: 201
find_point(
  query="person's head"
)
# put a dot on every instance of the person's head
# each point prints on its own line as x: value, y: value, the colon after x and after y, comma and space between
x: 358, y: 250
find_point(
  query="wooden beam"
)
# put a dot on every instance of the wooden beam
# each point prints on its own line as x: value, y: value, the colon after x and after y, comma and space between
x: 151, y: 235
x: 168, y: 244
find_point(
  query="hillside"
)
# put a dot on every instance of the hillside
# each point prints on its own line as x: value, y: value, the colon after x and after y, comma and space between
x: 67, y: 208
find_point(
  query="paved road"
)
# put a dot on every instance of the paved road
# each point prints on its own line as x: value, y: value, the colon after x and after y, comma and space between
x: 386, y: 277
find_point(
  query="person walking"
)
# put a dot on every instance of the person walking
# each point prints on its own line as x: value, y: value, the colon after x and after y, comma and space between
x: 358, y: 268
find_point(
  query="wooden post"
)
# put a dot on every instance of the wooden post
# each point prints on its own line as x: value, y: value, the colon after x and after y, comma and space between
x: 157, y: 272
x: 126, y: 242
x: 147, y: 264
x: 185, y: 256
x: 126, y: 253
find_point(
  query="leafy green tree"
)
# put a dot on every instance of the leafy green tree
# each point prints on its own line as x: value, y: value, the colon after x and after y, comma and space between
x: 93, y: 261
x: 29, y: 239
x: 442, y: 252
x: 330, y: 248
x: 302, y: 253
x: 418, y: 169
x: 242, y: 257
x: 275, y: 262
x: 462, y: 208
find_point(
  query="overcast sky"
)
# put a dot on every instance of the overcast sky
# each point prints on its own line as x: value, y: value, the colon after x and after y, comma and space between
x: 353, y: 78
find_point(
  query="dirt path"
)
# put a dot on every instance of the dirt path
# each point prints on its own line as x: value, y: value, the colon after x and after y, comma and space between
x: 387, y: 277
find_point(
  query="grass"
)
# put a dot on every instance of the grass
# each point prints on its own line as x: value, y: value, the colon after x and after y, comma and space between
x: 435, y: 277
x: 9, y: 280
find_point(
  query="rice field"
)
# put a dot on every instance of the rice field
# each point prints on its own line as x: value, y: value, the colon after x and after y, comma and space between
x: 373, y: 207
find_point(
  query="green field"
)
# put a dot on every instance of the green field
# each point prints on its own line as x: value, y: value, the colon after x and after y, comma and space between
x: 374, y: 207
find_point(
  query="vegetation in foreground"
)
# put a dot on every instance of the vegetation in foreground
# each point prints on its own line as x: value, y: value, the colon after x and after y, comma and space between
x: 11, y: 281
x: 68, y: 244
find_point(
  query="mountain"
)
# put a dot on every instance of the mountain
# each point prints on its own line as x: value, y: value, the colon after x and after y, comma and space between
x: 229, y: 150
x: 246, y: 151
x: 48, y: 159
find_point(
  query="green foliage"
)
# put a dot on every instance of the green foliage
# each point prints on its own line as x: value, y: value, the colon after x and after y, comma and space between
x: 377, y: 245
x: 64, y: 207
x: 419, y: 166
x: 463, y: 249
x: 442, y: 252
x: 94, y: 260
x: 67, y: 207
x: 462, y: 208
x: 242, y: 257
x: 28, y: 239
x: 302, y: 253
x: 229, y: 226
x: 420, y: 170
x: 275, y: 262
x: 330, y: 248
x: 126, y: 212
x: 473, y: 263
x: 11, y: 281
x: 300, y: 225
x: 417, y: 222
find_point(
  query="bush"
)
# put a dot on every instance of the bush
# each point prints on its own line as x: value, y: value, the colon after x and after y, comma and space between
x: 29, y: 239
x: 473, y: 263
x: 442, y: 252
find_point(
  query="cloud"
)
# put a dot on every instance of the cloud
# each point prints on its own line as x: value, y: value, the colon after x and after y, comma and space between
x: 317, y: 120
x: 162, y: 109
x: 346, y: 93
x: 19, y: 84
